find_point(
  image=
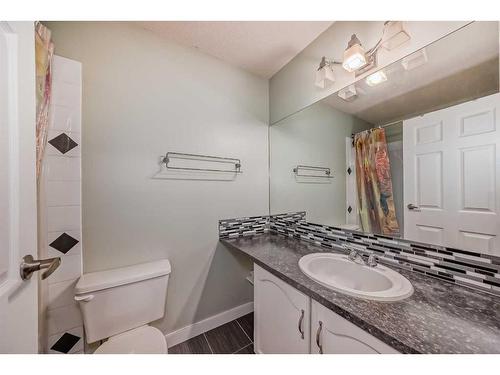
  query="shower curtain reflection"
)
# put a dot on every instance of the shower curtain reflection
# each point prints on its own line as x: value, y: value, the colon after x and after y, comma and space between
x: 373, y: 179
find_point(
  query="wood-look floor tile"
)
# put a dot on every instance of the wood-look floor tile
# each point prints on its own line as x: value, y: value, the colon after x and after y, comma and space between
x: 227, y: 339
x: 246, y: 350
x: 196, y: 345
x: 246, y: 322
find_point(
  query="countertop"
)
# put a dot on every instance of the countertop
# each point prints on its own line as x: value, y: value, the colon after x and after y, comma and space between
x: 439, y: 317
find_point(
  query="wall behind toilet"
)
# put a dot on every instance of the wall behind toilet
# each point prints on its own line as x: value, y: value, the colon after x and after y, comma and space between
x: 142, y: 97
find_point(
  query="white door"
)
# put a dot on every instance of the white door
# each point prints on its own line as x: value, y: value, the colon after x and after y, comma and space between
x: 332, y: 334
x: 18, y: 228
x: 281, y: 316
x: 452, y: 176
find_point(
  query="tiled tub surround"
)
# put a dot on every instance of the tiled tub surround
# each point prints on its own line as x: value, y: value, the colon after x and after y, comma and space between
x: 62, y: 179
x: 440, y: 317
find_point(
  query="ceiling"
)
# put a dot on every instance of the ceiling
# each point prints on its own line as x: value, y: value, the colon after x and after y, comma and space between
x: 259, y: 47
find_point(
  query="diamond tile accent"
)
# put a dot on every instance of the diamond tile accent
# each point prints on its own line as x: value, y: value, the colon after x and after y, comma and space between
x: 64, y: 243
x: 65, y: 343
x: 349, y: 209
x: 63, y: 143
x: 349, y: 170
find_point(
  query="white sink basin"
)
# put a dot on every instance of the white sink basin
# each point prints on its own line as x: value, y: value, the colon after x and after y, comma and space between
x: 337, y: 272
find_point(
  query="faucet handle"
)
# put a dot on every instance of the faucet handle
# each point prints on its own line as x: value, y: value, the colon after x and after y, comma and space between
x: 372, y: 261
x: 353, y: 254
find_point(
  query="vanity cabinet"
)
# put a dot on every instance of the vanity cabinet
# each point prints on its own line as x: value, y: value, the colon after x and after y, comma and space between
x: 288, y: 321
x: 332, y: 334
x: 281, y: 316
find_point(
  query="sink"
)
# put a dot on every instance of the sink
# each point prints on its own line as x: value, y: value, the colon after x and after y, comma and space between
x: 337, y: 272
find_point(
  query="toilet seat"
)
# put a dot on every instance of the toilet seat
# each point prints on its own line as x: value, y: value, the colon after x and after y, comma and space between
x: 141, y: 340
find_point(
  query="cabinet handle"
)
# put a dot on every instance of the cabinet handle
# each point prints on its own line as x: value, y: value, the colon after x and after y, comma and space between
x: 301, y: 320
x: 318, y: 333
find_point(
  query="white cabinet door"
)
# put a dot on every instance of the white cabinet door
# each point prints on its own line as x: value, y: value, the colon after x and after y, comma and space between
x: 281, y: 314
x: 452, y: 176
x: 332, y: 334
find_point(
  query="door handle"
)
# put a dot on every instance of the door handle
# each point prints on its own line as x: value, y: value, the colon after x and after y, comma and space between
x: 30, y: 265
x: 301, y: 320
x: 413, y: 207
x: 318, y: 334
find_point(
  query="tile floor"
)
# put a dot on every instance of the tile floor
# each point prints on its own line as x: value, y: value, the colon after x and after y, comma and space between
x: 235, y: 337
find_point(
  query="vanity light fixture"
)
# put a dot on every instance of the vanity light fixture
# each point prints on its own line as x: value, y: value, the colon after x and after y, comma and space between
x: 359, y: 60
x: 324, y: 75
x: 415, y: 60
x: 354, y: 55
x: 376, y: 78
x: 394, y: 35
x: 348, y: 93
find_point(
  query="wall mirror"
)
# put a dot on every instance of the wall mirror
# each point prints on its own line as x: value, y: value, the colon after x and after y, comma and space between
x: 424, y: 160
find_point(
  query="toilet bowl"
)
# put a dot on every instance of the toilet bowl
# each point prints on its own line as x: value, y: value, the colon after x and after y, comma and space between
x: 119, y: 304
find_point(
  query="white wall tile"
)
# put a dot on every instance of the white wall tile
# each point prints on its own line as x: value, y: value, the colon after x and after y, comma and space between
x: 66, y: 94
x: 63, y: 193
x: 61, y: 294
x: 70, y: 268
x: 75, y: 250
x: 64, y: 118
x: 63, y: 319
x: 63, y: 218
x: 67, y: 70
x: 62, y: 168
x: 77, y: 331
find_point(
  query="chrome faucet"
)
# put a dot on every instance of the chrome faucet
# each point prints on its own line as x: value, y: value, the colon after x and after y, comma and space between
x: 372, y: 261
x: 356, y: 257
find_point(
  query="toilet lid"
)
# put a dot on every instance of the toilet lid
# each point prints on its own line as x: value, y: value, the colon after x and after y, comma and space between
x: 142, y: 340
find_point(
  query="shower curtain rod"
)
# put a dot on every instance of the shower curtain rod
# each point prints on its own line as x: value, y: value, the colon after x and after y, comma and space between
x: 379, y: 127
x: 376, y: 127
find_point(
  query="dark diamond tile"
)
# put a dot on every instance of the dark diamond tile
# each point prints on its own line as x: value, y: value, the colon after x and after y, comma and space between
x: 65, y: 343
x: 246, y: 350
x: 196, y: 345
x: 64, y: 243
x: 227, y: 339
x: 63, y: 143
x: 246, y: 322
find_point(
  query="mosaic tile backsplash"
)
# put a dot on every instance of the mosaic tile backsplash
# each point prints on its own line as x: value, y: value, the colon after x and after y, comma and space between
x: 243, y: 226
x: 480, y: 271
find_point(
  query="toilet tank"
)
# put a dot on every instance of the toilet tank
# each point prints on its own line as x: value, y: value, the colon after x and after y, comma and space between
x: 120, y: 299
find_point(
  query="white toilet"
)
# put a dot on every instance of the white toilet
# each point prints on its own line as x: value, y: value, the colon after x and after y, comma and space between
x: 118, y: 304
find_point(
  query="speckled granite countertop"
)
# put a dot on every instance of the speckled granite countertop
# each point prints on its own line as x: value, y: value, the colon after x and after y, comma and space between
x: 439, y: 317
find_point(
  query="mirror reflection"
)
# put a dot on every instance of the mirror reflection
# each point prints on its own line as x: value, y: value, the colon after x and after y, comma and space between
x: 411, y: 150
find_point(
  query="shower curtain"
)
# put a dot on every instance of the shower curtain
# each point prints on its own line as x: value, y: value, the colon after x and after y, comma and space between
x: 44, y: 51
x: 373, y: 180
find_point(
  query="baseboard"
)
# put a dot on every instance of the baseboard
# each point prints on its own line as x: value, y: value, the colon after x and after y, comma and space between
x: 195, y: 329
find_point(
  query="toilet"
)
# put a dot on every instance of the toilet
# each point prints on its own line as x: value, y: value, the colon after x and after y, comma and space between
x: 119, y: 304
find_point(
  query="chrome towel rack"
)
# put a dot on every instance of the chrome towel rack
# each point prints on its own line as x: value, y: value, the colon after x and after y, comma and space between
x: 321, y: 172
x: 236, y: 163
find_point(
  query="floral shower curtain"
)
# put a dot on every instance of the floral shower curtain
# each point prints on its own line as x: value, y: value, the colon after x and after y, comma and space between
x: 44, y: 51
x: 374, y: 183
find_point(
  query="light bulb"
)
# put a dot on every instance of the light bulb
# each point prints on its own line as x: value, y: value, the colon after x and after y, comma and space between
x: 354, y: 55
x: 376, y: 78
